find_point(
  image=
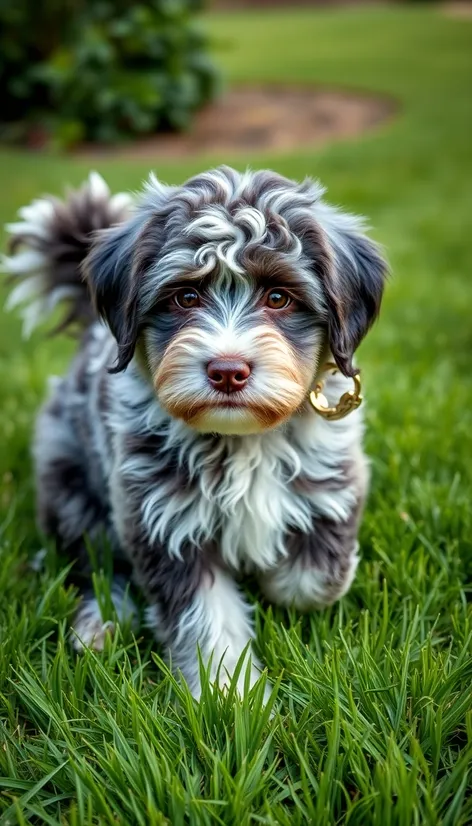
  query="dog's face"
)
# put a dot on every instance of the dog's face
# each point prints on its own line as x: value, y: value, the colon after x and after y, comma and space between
x: 232, y: 286
x: 232, y: 356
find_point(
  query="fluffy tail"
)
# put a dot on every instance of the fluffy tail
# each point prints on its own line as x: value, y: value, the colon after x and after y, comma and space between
x: 47, y: 248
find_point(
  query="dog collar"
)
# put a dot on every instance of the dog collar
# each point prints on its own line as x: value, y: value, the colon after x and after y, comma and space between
x: 348, y: 402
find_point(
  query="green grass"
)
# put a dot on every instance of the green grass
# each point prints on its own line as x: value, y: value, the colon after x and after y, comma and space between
x: 373, y: 721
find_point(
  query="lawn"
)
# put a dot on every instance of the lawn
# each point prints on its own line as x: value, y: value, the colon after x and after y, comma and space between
x: 373, y: 721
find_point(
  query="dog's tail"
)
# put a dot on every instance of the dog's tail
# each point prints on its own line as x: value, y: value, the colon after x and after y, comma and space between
x: 47, y: 248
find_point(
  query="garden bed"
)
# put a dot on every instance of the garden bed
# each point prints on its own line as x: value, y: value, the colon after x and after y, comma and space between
x: 266, y: 119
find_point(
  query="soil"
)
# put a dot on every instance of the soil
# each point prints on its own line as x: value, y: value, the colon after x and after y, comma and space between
x: 263, y: 119
x: 458, y: 8
x: 265, y: 4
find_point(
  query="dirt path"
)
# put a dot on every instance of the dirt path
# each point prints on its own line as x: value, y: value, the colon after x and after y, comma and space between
x: 263, y: 118
x: 460, y: 9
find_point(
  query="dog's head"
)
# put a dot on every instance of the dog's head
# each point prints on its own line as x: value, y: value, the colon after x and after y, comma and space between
x: 233, y: 286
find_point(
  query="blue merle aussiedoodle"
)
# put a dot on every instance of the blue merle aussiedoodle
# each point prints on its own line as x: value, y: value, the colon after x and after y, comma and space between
x: 183, y: 430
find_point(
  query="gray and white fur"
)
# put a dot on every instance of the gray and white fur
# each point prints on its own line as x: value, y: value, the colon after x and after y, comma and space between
x: 197, y: 474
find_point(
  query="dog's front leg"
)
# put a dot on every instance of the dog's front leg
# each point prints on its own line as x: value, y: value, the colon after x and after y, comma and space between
x: 196, y: 606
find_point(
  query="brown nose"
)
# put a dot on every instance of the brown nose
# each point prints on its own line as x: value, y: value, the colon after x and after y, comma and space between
x: 228, y: 375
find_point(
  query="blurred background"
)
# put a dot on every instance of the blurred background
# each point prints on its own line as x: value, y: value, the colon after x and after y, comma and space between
x: 373, y: 99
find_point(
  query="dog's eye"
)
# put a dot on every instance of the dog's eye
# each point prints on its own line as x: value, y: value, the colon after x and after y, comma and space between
x: 277, y: 299
x: 187, y: 298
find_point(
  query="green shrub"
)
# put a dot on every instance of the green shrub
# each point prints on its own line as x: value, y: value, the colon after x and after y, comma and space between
x: 84, y: 70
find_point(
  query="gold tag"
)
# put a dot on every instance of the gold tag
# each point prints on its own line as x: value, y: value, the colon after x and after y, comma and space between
x: 348, y: 402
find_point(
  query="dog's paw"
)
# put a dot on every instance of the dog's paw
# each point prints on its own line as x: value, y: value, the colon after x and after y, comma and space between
x: 224, y: 678
x: 89, y: 629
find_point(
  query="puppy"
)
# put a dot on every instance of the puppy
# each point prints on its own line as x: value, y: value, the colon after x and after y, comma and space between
x: 183, y: 432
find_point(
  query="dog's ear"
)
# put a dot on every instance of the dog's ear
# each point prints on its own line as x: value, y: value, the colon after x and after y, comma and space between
x: 110, y: 273
x: 117, y: 262
x: 353, y: 285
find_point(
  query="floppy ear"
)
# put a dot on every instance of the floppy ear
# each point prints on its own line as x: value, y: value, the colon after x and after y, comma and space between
x: 117, y: 262
x: 110, y: 273
x: 353, y: 286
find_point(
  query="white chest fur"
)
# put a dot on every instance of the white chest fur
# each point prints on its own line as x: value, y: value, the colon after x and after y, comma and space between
x: 255, y: 501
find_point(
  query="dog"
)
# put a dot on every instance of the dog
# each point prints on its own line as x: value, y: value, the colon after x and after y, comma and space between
x: 183, y: 434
